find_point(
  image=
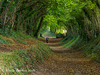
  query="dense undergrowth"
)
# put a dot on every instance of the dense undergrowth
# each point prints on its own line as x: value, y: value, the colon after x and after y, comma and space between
x: 19, y: 36
x: 22, y: 61
x: 21, y: 17
x: 91, y: 48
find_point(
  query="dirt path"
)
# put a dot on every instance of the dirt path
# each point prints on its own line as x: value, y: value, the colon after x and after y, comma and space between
x: 67, y: 62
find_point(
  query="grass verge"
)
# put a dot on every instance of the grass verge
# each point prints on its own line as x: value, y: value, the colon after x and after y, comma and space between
x: 23, y: 62
x: 91, y: 48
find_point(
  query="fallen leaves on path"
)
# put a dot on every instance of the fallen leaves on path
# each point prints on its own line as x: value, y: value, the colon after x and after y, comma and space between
x: 71, y: 62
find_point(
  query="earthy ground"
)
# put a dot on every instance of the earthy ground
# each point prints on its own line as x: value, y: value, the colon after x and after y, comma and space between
x: 62, y: 62
x: 66, y: 62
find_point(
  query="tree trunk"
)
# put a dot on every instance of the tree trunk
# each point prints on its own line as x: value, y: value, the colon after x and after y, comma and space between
x: 39, y: 27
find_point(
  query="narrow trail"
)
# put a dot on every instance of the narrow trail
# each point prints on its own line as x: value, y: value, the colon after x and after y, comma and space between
x: 67, y: 62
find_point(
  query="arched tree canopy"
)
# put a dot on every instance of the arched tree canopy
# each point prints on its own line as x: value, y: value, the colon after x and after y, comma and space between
x: 79, y: 17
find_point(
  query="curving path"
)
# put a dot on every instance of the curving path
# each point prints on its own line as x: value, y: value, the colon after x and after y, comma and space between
x: 66, y: 62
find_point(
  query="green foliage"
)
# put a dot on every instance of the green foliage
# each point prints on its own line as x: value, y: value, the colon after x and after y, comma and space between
x: 5, y: 33
x: 26, y: 60
x: 49, y: 34
x: 51, y: 20
x: 78, y: 17
x: 90, y: 48
x: 3, y: 40
x: 59, y: 31
x: 59, y: 35
x: 70, y: 42
x: 40, y: 37
x: 19, y: 37
x: 25, y: 16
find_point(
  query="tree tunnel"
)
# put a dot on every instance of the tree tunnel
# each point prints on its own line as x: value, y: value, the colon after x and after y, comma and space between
x: 81, y: 19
